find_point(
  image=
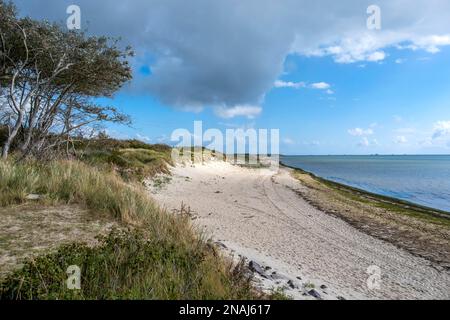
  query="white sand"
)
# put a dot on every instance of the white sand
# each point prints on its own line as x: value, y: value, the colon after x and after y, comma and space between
x: 254, y: 213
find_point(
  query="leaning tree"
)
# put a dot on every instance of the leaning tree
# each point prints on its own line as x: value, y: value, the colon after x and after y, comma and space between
x: 49, y: 79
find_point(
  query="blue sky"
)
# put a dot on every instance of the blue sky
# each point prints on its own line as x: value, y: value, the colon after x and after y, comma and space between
x: 313, y: 70
x: 387, y: 107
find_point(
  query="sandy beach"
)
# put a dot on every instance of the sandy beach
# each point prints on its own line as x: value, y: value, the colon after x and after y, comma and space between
x: 258, y: 214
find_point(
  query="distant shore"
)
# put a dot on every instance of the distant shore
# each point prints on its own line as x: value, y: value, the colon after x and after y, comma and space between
x: 423, y: 231
x: 305, y: 233
x: 419, y: 180
x: 392, y: 200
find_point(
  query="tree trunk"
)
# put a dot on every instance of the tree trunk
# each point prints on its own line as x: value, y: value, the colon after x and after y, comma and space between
x: 5, y: 150
x: 11, y: 136
x: 26, y: 144
x: 31, y: 125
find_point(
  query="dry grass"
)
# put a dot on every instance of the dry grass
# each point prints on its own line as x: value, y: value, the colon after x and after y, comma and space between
x: 29, y: 230
x: 74, y: 182
x: 161, y: 257
x: 132, y: 159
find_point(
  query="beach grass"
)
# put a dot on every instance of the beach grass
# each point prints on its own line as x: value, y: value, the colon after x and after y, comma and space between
x: 157, y: 255
x: 132, y: 159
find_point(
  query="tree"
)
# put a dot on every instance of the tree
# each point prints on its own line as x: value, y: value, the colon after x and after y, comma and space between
x: 49, y: 79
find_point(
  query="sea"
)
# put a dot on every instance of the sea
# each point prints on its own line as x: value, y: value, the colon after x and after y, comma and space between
x: 420, y: 179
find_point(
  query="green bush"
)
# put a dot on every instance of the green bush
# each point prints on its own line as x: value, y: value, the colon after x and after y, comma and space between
x: 130, y: 265
x: 132, y: 159
x: 162, y: 257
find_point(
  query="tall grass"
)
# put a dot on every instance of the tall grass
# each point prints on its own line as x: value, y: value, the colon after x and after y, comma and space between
x: 73, y: 182
x: 161, y: 258
x: 131, y: 163
x: 132, y: 159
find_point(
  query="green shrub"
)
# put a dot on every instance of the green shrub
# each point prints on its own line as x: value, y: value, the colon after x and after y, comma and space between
x: 130, y: 265
x: 132, y: 159
x: 162, y: 257
x: 132, y: 164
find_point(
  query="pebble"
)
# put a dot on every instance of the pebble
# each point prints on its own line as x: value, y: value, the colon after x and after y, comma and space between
x: 314, y: 293
x: 292, y: 284
x: 220, y: 244
x: 255, y: 267
x: 277, y: 276
x: 33, y: 196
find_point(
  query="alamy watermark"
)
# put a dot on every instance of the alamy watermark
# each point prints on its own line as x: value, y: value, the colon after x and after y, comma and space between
x: 374, y: 19
x: 250, y: 146
x: 374, y: 280
x: 74, y: 20
x: 73, y: 281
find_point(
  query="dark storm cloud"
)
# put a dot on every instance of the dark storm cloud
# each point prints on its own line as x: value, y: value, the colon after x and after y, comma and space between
x: 204, y: 52
x: 228, y: 53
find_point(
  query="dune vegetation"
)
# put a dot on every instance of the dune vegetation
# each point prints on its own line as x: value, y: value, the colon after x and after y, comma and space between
x: 156, y: 255
x: 55, y: 156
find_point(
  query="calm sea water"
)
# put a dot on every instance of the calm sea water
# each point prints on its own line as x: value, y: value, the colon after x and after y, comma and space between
x: 419, y: 179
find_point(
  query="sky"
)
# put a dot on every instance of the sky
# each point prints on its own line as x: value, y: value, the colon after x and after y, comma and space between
x: 312, y: 69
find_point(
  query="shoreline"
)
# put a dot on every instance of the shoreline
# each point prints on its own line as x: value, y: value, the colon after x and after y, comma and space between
x: 265, y: 217
x: 411, y: 227
x: 388, y: 199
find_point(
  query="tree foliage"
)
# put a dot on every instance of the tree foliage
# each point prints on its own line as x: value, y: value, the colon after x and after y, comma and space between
x: 49, y: 79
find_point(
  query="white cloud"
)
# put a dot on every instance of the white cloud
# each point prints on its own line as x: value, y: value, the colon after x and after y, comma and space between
x: 400, y: 139
x: 438, y: 137
x: 364, y: 142
x: 288, y: 141
x: 398, y: 118
x: 368, y: 46
x: 399, y: 61
x: 243, y: 126
x: 320, y: 85
x: 441, y: 128
x: 289, y: 84
x: 248, y: 111
x: 313, y: 143
x: 376, y: 56
x: 405, y: 130
x: 117, y: 134
x: 198, y: 60
x: 430, y: 43
x: 142, y: 138
x: 364, y: 46
x: 358, y: 132
x: 296, y: 85
x: 163, y: 139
